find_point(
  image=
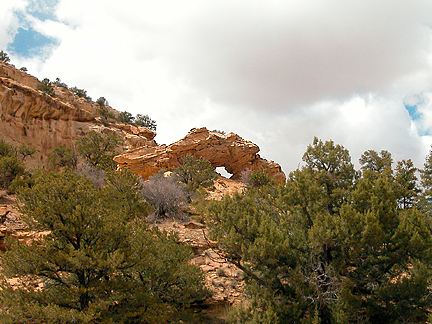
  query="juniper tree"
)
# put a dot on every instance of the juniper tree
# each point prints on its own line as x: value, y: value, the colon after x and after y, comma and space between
x: 98, y: 149
x: 327, y: 246
x: 98, y: 261
x: 195, y: 172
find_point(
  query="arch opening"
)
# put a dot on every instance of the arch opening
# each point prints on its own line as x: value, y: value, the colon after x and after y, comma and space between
x: 223, y: 172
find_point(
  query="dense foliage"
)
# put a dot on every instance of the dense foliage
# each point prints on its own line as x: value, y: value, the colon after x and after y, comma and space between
x: 195, y: 173
x: 63, y: 156
x: 12, y: 169
x: 99, y: 262
x: 99, y: 149
x: 333, y: 245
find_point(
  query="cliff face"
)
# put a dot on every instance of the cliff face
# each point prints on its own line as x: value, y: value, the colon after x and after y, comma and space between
x: 29, y: 116
x: 229, y: 151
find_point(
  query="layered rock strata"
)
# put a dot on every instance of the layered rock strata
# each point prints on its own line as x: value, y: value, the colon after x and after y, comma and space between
x: 30, y: 117
x: 229, y: 151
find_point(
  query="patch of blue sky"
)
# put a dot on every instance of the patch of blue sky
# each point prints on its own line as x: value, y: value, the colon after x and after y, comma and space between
x: 412, y: 104
x: 42, y: 9
x: 30, y: 43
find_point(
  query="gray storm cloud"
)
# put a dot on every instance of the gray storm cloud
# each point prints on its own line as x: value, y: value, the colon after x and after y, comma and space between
x: 274, y: 56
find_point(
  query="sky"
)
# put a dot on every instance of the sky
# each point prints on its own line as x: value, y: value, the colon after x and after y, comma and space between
x: 275, y: 72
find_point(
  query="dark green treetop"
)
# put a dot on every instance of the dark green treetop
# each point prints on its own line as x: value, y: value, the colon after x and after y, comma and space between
x: 99, y: 262
x: 328, y: 246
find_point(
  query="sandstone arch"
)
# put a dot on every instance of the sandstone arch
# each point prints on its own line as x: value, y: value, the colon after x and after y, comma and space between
x: 229, y: 151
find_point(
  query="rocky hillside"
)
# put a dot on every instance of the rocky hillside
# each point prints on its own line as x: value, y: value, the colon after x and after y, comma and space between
x: 31, y: 117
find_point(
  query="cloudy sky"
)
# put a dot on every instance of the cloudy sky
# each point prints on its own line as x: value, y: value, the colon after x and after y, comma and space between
x: 275, y: 72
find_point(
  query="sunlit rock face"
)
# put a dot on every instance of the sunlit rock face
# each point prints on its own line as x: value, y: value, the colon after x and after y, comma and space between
x: 229, y: 151
x: 30, y: 117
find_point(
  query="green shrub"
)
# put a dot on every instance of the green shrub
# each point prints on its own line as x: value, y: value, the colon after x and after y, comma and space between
x: 126, y: 117
x: 195, y: 172
x: 4, y: 57
x: 10, y: 168
x: 105, y: 113
x: 63, y: 156
x: 46, y: 87
x: 99, y: 149
x: 146, y: 121
x: 101, y: 263
x: 61, y: 84
x: 80, y: 93
x: 256, y: 178
x: 101, y: 101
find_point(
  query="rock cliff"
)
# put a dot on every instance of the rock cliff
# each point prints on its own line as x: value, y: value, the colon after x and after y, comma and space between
x: 30, y: 117
x: 229, y: 151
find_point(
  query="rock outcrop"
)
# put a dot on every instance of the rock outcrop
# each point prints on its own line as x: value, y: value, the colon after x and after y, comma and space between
x: 229, y: 151
x: 30, y: 117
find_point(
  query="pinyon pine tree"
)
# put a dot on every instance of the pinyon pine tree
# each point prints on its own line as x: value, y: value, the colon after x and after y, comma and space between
x: 98, y: 261
x: 332, y: 245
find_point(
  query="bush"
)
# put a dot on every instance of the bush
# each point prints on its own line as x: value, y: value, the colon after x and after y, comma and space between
x: 105, y: 113
x: 146, y: 121
x: 24, y: 151
x: 101, y: 263
x: 126, y: 117
x: 101, y: 101
x: 61, y: 84
x: 24, y: 69
x: 63, y: 156
x: 6, y: 149
x: 195, y: 172
x: 4, y: 57
x: 99, y: 149
x: 46, y: 87
x: 22, y: 181
x: 80, y: 93
x: 10, y: 168
x: 165, y: 194
x: 256, y: 179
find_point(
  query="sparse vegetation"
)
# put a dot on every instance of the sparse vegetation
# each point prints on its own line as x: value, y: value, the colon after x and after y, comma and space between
x: 165, y: 194
x: 101, y: 101
x: 106, y: 115
x: 46, y: 87
x: 4, y: 57
x: 126, y: 117
x: 146, y: 121
x: 140, y: 120
x: 61, y: 84
x: 80, y: 93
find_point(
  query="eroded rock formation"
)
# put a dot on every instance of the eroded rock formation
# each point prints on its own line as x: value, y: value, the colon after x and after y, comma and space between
x: 229, y: 151
x: 30, y: 117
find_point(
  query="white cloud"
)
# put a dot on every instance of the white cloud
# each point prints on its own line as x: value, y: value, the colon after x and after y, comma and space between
x: 275, y: 72
x: 9, y: 21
